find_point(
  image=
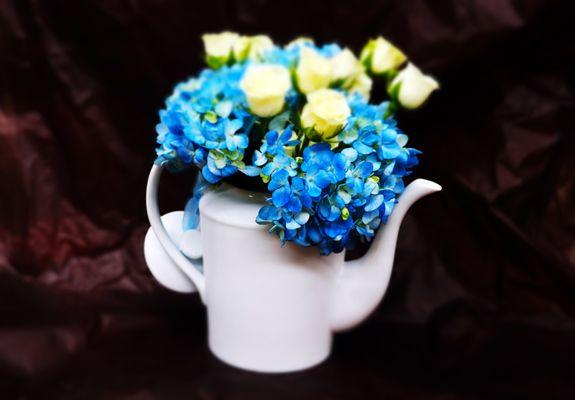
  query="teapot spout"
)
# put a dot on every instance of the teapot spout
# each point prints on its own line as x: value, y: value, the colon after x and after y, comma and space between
x: 362, y: 283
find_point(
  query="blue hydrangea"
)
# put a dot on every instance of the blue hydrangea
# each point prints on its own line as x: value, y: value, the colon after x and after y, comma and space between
x: 328, y: 195
x: 206, y: 123
x: 333, y: 197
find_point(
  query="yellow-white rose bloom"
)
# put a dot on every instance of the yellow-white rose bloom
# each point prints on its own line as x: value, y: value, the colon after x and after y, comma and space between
x: 265, y: 87
x: 380, y: 56
x: 300, y: 41
x: 241, y: 48
x: 219, y: 47
x: 259, y: 45
x: 345, y: 67
x: 313, y: 71
x: 252, y: 47
x: 362, y: 85
x: 326, y: 112
x: 412, y: 87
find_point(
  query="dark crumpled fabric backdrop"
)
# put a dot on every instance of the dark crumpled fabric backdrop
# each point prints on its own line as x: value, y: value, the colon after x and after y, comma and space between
x: 482, y: 298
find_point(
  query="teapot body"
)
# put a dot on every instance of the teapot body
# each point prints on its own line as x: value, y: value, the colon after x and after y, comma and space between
x: 268, y: 306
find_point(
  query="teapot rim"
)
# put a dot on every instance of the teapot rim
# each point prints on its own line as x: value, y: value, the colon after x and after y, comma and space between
x: 240, y: 206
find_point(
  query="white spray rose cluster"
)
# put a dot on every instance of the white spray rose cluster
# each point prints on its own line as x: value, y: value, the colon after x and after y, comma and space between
x: 344, y: 70
x: 324, y: 80
x: 409, y: 87
x: 228, y: 47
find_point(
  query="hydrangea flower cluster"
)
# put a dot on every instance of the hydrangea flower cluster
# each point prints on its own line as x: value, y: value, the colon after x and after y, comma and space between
x: 206, y: 123
x: 298, y: 117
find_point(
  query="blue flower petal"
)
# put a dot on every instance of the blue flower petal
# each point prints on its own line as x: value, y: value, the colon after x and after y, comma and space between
x: 281, y: 196
x: 374, y: 203
x: 268, y: 214
x: 250, y: 170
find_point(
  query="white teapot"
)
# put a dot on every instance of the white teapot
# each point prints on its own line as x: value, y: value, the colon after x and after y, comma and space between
x: 270, y: 309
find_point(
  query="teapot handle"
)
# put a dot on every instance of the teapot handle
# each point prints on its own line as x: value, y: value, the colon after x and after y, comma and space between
x: 183, y: 263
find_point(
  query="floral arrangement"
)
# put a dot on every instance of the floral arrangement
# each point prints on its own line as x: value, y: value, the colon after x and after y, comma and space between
x: 298, y: 119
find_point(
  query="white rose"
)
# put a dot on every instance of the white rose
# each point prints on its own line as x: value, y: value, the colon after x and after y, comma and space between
x: 265, y: 87
x: 299, y: 42
x: 252, y: 47
x: 380, y: 56
x: 259, y: 45
x: 326, y: 112
x: 362, y: 85
x: 411, y: 87
x: 345, y: 67
x: 313, y: 71
x: 241, y: 48
x: 219, y: 47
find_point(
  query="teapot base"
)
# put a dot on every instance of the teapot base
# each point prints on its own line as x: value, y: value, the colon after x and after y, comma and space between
x: 271, y: 366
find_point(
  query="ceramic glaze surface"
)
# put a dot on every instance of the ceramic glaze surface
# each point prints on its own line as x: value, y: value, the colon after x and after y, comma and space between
x: 273, y: 308
x: 159, y: 263
x: 265, y: 303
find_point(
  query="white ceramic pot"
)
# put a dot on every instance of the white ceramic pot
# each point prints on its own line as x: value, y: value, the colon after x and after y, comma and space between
x: 271, y: 308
